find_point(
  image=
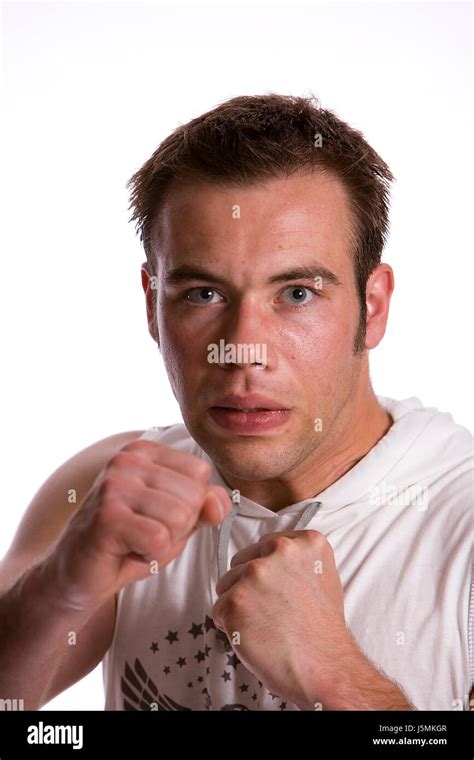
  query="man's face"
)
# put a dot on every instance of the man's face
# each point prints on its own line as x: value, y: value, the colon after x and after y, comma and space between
x: 242, y: 239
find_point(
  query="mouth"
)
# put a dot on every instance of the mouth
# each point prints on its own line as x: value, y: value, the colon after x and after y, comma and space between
x: 247, y: 420
x: 248, y: 409
x: 249, y: 404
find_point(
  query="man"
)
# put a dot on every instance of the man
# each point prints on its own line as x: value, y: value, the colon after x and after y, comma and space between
x: 299, y: 543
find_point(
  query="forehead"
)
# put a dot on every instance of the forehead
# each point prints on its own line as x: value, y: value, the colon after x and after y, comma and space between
x: 302, y: 212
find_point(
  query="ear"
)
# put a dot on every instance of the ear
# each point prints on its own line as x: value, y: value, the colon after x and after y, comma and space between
x: 378, y: 292
x: 149, y: 286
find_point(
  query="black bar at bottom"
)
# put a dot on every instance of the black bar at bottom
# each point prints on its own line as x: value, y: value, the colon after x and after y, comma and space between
x: 145, y: 734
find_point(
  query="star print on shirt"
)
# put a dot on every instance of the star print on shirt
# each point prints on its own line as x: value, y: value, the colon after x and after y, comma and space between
x: 209, y: 623
x: 196, y: 666
x: 233, y: 660
x: 223, y: 639
x: 196, y: 630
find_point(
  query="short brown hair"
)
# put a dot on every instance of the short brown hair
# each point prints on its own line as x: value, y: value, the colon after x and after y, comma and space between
x: 253, y: 138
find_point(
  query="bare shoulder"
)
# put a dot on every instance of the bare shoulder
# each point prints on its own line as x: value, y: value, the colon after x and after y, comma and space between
x: 55, y: 502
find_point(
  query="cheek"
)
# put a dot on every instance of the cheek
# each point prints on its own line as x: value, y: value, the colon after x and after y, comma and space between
x: 324, y: 340
x: 184, y: 354
x: 174, y: 333
x: 183, y: 330
x: 320, y: 360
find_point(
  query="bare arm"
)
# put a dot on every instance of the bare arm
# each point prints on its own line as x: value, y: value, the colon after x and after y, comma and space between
x: 37, y: 636
x: 38, y: 658
x: 364, y: 687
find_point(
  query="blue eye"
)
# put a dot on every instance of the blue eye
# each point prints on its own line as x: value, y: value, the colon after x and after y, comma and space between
x: 203, y: 296
x: 200, y: 291
x: 300, y: 291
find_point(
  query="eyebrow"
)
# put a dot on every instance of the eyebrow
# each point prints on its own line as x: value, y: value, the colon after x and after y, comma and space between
x: 186, y: 273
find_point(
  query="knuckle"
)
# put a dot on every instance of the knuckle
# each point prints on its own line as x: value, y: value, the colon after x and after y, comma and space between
x: 138, y: 445
x: 181, y: 518
x: 158, y: 540
x: 123, y: 459
x: 319, y: 539
x: 160, y: 537
x: 109, y: 488
x: 282, y: 544
x: 235, y: 600
x: 255, y: 568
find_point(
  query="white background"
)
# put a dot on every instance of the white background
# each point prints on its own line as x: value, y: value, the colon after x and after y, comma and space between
x: 90, y: 89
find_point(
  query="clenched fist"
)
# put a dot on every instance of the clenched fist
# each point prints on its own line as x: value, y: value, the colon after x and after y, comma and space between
x: 142, y: 508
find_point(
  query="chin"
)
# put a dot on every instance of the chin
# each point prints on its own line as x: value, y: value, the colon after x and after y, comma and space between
x: 254, y: 472
x: 249, y: 460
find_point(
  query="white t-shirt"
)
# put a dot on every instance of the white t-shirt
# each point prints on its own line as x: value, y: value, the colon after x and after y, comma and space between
x: 400, y: 525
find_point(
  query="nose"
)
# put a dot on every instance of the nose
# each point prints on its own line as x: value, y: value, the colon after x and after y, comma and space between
x: 243, y: 340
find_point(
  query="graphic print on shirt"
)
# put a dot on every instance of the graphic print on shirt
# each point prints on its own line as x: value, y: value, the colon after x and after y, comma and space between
x: 142, y: 692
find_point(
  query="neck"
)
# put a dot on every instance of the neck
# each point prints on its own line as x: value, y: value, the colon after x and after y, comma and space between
x: 359, y: 426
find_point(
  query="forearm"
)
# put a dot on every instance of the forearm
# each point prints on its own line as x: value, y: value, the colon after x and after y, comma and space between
x: 34, y: 637
x: 350, y: 681
x: 359, y: 685
x: 367, y: 690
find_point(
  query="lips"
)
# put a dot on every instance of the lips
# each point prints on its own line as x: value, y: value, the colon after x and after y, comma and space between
x: 249, y: 415
x: 251, y: 403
